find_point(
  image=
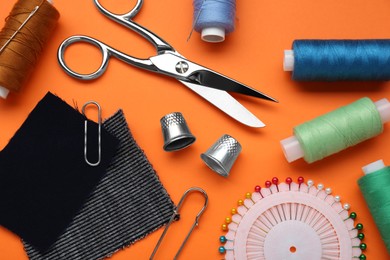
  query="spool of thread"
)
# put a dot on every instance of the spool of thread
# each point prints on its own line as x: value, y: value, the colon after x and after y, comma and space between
x: 375, y: 186
x: 22, y: 40
x: 336, y: 60
x: 214, y: 18
x: 337, y: 130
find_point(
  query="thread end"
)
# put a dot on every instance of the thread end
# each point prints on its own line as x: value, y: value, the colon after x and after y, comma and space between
x: 292, y: 149
x: 213, y: 34
x: 373, y: 167
x: 4, y: 92
x: 288, y: 60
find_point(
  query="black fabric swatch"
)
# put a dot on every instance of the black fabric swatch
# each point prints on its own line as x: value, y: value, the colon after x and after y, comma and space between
x: 128, y: 203
x: 44, y: 179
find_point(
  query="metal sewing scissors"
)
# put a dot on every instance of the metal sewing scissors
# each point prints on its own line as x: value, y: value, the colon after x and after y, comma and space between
x: 207, y: 83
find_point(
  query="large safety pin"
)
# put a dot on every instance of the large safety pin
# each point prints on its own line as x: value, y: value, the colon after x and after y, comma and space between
x: 86, y: 133
x: 175, y: 216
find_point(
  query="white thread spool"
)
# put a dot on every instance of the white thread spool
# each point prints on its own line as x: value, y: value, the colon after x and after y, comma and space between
x: 213, y: 34
x: 373, y: 167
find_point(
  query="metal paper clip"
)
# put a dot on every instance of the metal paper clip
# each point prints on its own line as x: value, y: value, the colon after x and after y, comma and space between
x: 86, y: 134
x: 175, y: 216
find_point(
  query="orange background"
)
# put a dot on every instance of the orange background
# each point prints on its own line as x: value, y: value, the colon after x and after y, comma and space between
x: 251, y: 54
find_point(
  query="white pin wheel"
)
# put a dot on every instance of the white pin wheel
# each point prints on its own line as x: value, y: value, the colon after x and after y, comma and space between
x: 291, y: 221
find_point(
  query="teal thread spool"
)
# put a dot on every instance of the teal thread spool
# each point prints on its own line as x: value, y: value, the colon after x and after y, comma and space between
x: 375, y: 186
x: 337, y: 130
x: 335, y: 60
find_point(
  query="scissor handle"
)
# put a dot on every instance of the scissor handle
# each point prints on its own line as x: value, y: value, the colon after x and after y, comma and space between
x: 104, y: 49
x: 107, y: 53
x: 126, y: 20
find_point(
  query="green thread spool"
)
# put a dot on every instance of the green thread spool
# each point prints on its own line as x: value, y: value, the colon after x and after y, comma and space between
x: 337, y: 130
x: 375, y: 186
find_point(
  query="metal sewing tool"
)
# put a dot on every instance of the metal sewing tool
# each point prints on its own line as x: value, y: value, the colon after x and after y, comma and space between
x: 176, y: 215
x: 207, y: 83
x: 86, y: 134
x: 221, y: 156
x: 176, y: 132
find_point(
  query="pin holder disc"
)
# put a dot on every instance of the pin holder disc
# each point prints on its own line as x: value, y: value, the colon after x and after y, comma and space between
x: 292, y: 221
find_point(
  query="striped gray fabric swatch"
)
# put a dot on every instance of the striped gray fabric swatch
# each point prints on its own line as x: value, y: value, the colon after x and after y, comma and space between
x: 129, y: 203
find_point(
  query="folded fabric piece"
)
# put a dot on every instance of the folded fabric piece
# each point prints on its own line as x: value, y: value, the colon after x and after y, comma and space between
x: 128, y: 204
x: 44, y: 179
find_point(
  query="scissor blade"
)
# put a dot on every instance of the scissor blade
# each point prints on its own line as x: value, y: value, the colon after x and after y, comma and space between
x: 213, y: 79
x: 225, y: 102
x: 175, y: 65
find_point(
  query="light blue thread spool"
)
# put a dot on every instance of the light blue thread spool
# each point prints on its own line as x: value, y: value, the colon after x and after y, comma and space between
x: 214, y: 18
x: 337, y: 60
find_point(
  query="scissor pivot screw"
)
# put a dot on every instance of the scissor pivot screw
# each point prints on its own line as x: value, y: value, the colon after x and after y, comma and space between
x: 182, y: 67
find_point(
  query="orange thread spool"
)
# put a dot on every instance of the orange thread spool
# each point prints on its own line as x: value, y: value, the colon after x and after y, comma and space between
x: 27, y: 29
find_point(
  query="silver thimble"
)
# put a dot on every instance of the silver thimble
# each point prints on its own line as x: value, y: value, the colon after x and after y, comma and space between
x: 175, y: 131
x: 221, y: 156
